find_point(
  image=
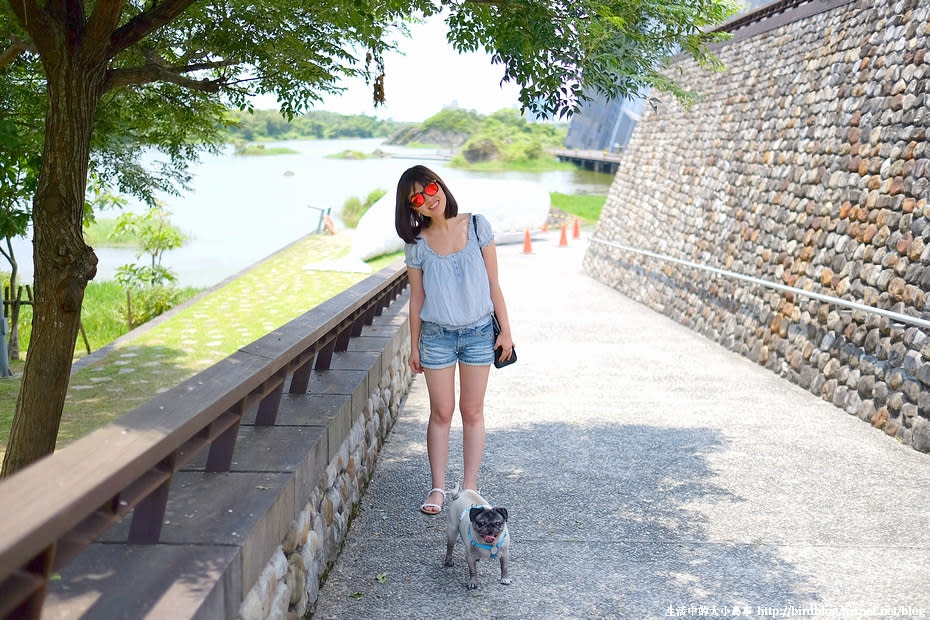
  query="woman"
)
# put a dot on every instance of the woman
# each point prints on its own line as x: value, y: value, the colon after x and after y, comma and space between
x: 452, y: 268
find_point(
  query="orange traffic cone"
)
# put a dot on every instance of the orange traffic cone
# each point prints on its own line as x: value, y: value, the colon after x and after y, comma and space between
x: 545, y: 226
x: 527, y: 243
x: 576, y: 230
x: 563, y: 241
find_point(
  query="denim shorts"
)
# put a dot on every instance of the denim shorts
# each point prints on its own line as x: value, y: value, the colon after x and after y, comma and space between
x: 441, y: 347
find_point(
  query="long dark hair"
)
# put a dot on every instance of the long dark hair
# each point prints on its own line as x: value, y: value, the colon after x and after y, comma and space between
x: 408, y: 222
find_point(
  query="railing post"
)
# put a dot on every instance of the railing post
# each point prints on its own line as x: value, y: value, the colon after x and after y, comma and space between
x: 325, y: 356
x: 300, y: 380
x: 220, y: 456
x: 268, y: 408
x: 21, y: 596
x: 148, y: 515
x: 372, y: 312
x: 358, y: 323
x: 342, y: 340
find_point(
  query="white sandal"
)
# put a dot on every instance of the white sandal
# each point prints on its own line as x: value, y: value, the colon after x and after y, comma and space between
x: 438, y: 507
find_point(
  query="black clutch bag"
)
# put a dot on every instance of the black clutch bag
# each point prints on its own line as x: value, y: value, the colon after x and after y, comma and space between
x: 498, y: 363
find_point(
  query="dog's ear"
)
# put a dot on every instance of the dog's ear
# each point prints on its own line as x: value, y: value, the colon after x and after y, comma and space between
x: 474, y: 512
x: 502, y: 512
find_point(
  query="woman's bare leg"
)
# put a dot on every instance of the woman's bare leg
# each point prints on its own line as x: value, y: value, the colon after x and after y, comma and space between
x: 441, y: 387
x: 474, y: 381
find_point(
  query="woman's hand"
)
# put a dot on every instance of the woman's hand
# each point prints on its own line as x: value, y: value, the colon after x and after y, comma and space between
x: 505, y: 342
x: 414, y: 361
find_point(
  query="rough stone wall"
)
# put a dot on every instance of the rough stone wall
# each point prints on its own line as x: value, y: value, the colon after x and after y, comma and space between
x: 806, y: 164
x: 290, y: 583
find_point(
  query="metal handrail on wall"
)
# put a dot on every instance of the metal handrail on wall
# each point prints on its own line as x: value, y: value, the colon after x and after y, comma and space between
x: 894, y: 316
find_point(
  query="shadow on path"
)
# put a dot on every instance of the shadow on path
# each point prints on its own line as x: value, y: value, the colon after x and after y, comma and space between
x: 600, y: 523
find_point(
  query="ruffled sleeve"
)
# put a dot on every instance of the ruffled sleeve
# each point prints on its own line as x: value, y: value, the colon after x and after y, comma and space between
x: 412, y: 255
x: 485, y: 232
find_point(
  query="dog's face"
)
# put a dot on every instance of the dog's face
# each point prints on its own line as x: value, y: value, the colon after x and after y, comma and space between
x: 487, y: 523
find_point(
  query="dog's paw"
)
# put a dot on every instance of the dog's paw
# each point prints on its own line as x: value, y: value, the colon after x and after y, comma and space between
x: 506, y: 581
x: 447, y: 563
x: 472, y: 585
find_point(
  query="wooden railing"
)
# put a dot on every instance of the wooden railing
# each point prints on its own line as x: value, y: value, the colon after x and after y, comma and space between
x: 57, y: 506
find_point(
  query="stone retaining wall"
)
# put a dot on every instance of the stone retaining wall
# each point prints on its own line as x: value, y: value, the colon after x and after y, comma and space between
x: 806, y: 164
x: 289, y: 584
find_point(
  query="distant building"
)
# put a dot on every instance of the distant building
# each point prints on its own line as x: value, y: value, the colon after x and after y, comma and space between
x: 603, y: 125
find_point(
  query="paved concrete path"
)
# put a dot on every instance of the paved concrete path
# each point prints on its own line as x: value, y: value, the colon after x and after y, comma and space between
x: 649, y: 473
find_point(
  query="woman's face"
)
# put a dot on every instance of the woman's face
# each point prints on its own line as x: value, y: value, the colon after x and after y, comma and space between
x: 428, y: 200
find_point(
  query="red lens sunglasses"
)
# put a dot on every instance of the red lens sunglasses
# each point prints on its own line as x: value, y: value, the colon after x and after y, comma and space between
x: 417, y: 200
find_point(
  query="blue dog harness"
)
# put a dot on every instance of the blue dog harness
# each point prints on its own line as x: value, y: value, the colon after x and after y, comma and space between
x: 492, y: 548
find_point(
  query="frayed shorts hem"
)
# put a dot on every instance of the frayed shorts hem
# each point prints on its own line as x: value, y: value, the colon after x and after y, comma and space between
x: 453, y: 364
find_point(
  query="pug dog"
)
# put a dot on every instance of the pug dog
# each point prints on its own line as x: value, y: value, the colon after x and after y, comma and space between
x: 483, y: 531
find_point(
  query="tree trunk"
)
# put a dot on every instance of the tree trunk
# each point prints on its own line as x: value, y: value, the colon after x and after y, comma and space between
x: 63, y: 263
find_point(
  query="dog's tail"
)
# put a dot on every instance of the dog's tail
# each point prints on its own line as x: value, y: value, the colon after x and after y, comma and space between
x: 454, y: 493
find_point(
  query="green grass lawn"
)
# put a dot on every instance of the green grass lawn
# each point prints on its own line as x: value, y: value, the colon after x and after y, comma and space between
x: 586, y: 208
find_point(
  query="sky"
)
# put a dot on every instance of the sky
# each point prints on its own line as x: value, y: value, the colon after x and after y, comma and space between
x: 425, y: 77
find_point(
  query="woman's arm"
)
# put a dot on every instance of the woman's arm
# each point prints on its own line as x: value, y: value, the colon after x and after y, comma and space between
x: 417, y: 295
x: 505, y: 339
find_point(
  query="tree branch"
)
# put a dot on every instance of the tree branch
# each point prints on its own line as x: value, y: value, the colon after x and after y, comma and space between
x: 104, y: 19
x: 34, y: 21
x: 145, y: 23
x: 155, y: 72
x: 17, y: 46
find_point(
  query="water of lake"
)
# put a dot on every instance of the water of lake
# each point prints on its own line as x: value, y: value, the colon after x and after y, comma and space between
x: 242, y: 209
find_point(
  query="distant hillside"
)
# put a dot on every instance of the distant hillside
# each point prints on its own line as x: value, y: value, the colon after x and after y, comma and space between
x: 504, y: 137
x: 265, y: 125
x: 451, y: 128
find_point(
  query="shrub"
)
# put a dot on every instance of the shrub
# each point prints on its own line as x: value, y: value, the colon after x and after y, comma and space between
x: 354, y: 208
x: 148, y: 303
x: 481, y: 149
x: 352, y: 211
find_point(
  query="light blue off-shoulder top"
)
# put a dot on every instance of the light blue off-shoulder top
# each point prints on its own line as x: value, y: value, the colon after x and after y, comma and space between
x: 458, y: 294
